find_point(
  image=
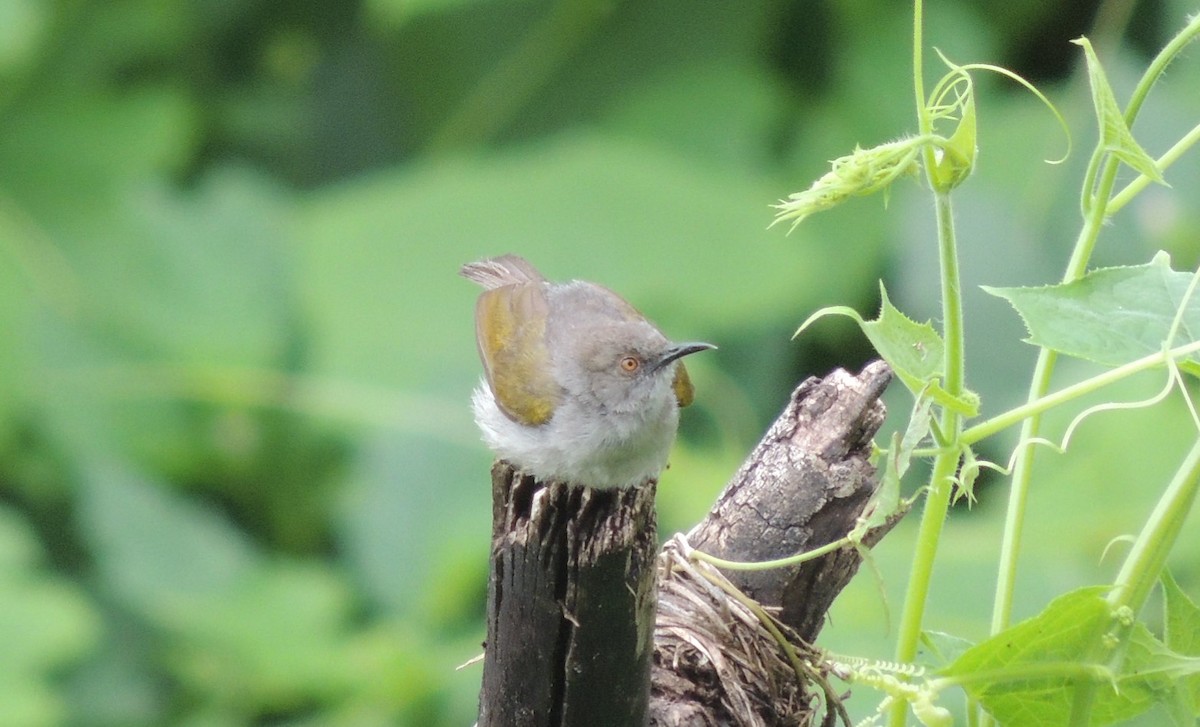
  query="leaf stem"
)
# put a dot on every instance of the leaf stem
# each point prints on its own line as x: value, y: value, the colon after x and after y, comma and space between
x: 1096, y: 208
x: 1146, y: 559
x: 791, y: 560
x: 1039, y: 386
x: 924, y: 120
x: 1143, y: 566
x: 1172, y: 155
x: 1049, y: 401
x: 937, y: 501
x: 1159, y: 65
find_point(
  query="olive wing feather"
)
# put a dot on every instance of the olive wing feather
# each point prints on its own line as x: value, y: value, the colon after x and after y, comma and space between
x: 510, y: 329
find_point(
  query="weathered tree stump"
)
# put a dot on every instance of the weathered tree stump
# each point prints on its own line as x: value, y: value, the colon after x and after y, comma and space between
x: 571, y: 593
x: 570, y: 611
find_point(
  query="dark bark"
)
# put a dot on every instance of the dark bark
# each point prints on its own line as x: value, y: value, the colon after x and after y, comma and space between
x: 571, y: 599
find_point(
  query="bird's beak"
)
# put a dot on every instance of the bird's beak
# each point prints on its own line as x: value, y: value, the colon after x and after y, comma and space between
x: 684, y: 349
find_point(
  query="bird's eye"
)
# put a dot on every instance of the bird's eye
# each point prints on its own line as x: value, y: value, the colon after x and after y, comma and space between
x: 629, y: 364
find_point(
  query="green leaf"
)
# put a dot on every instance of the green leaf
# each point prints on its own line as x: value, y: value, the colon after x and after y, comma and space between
x: 1152, y: 673
x: 23, y: 25
x: 16, y: 306
x: 184, y: 297
x: 157, y: 552
x: 401, y: 12
x: 46, y: 625
x: 376, y: 246
x: 886, y: 501
x: 395, y: 532
x: 915, y: 352
x: 249, y: 629
x: 957, y: 158
x: 1029, y: 672
x: 1115, y: 136
x: 1181, y: 632
x: 944, y: 648
x: 1110, y: 316
x: 1182, y: 618
x: 278, y: 639
x: 1059, y: 635
x: 63, y: 159
x: 738, y: 99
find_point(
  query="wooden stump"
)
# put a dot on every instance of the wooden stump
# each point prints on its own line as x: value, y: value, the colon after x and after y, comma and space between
x: 572, y: 587
x: 571, y: 597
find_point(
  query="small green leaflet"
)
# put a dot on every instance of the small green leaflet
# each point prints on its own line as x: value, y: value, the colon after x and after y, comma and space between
x: 1182, y: 635
x: 1153, y: 673
x: 956, y: 155
x: 914, y: 351
x: 1111, y: 316
x: 899, y: 455
x: 1114, y: 132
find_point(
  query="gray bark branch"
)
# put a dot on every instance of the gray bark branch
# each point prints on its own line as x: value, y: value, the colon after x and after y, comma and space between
x: 806, y: 484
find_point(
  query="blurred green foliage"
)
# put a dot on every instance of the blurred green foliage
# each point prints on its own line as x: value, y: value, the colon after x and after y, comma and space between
x: 239, y: 483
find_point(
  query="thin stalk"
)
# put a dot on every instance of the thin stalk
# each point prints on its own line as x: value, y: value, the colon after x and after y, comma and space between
x: 1000, y: 422
x: 762, y: 565
x: 941, y: 483
x: 1097, y: 212
x: 1159, y: 65
x: 937, y: 501
x: 952, y: 313
x: 924, y: 120
x: 1018, y: 495
x: 1142, y: 567
x: 1131, y: 190
x: 1146, y: 559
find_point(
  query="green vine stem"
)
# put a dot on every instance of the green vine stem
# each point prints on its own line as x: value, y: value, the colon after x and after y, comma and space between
x: 1144, y: 564
x: 1141, y: 570
x: 941, y: 481
x: 1035, y: 407
x: 1098, y: 211
x: 1131, y: 190
x: 762, y: 565
x: 937, y: 501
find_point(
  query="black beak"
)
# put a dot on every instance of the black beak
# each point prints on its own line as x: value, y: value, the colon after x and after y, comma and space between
x: 684, y: 349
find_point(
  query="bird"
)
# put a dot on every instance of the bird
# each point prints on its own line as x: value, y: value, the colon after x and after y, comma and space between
x: 577, y: 385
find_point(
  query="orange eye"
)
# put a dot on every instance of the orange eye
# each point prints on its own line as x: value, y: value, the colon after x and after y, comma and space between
x: 629, y: 364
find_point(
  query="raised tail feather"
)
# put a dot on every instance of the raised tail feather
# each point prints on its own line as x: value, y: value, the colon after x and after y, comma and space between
x: 499, y: 271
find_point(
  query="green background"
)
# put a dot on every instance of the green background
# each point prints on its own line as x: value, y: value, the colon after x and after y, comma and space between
x: 239, y: 483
